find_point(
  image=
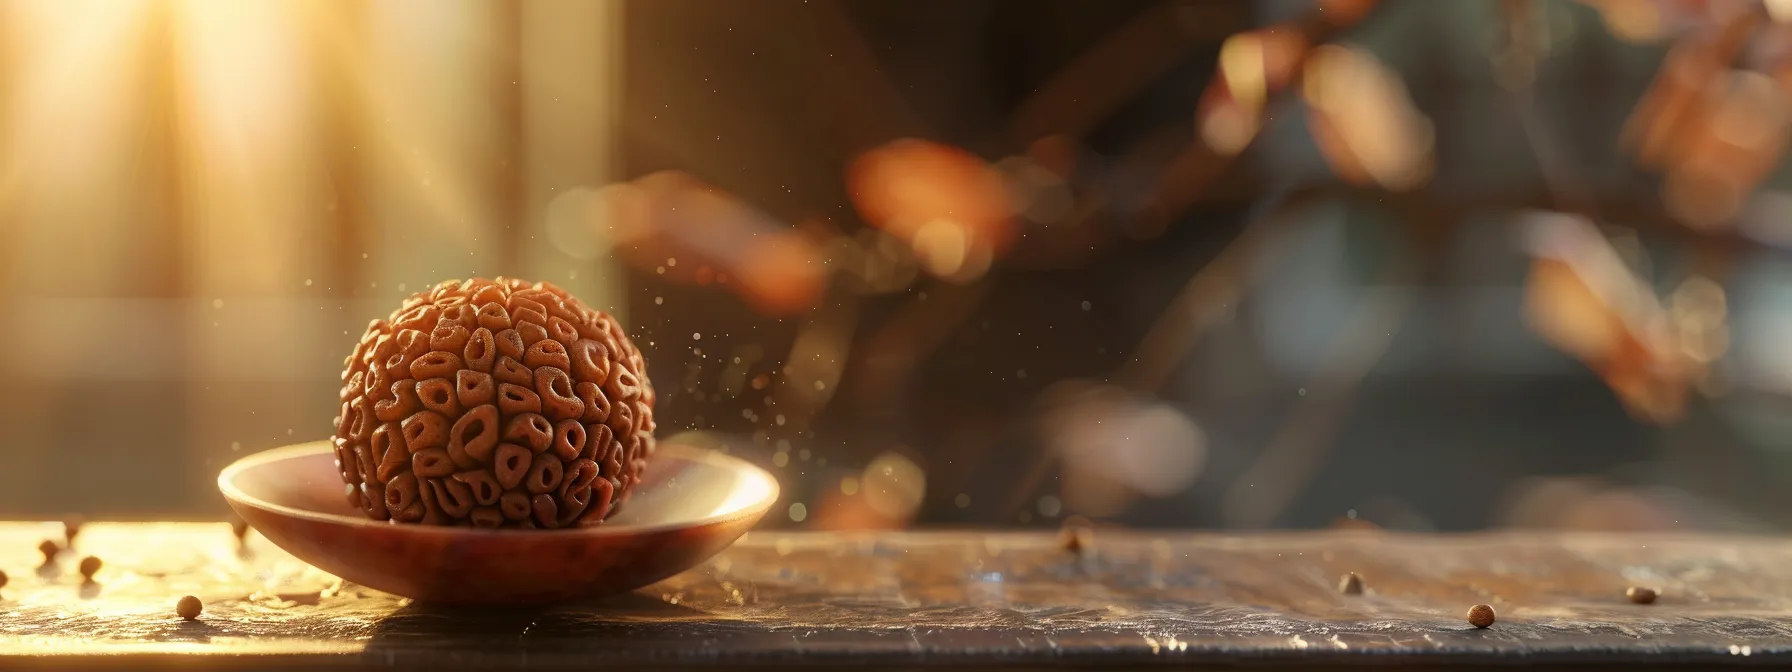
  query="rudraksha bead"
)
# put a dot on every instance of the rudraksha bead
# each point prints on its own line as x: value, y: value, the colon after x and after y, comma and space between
x: 494, y: 403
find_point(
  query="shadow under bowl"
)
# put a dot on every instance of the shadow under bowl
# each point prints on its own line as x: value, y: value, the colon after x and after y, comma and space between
x: 690, y: 504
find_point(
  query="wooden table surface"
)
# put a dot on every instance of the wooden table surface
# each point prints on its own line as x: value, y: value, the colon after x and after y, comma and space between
x: 934, y: 598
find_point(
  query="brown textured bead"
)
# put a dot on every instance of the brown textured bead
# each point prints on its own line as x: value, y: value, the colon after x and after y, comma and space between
x: 1640, y: 594
x: 1480, y: 615
x: 188, y: 608
x: 493, y: 403
x: 90, y: 566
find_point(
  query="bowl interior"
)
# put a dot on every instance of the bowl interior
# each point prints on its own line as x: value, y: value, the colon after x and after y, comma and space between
x: 682, y: 486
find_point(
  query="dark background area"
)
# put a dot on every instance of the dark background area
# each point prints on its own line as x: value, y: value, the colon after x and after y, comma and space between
x: 1440, y: 435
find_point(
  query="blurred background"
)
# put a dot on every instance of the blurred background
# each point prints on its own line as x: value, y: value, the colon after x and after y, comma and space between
x: 1201, y: 263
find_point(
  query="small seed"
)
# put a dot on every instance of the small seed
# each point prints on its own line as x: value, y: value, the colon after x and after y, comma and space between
x: 2, y: 579
x: 1480, y: 615
x: 1351, y: 584
x: 49, y: 549
x: 1641, y: 595
x: 71, y: 527
x: 90, y: 566
x: 1076, y: 535
x: 189, y: 607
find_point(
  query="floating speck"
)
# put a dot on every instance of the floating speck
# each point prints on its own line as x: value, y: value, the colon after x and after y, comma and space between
x: 798, y: 512
x: 849, y: 486
x: 307, y: 282
x: 779, y: 419
x: 236, y: 445
x: 659, y: 300
x: 696, y: 337
x: 962, y: 500
x: 1087, y: 306
x: 1049, y: 506
x: 217, y: 303
x: 780, y: 459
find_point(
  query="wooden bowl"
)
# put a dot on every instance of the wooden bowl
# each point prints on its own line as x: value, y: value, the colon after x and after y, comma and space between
x: 690, y: 505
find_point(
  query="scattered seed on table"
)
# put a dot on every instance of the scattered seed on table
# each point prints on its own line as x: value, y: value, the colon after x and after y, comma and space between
x: 49, y: 549
x: 1480, y: 615
x: 1076, y: 535
x: 2, y: 579
x: 189, y: 607
x: 1351, y: 584
x: 90, y: 566
x: 1641, y: 595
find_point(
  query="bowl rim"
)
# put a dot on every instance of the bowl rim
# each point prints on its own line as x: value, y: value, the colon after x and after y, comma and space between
x: 236, y: 495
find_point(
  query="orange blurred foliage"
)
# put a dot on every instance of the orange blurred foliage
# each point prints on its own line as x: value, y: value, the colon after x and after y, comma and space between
x: 949, y: 205
x: 716, y: 238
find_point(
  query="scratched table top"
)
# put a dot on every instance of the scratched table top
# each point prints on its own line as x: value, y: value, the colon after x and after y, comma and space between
x: 889, y: 600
